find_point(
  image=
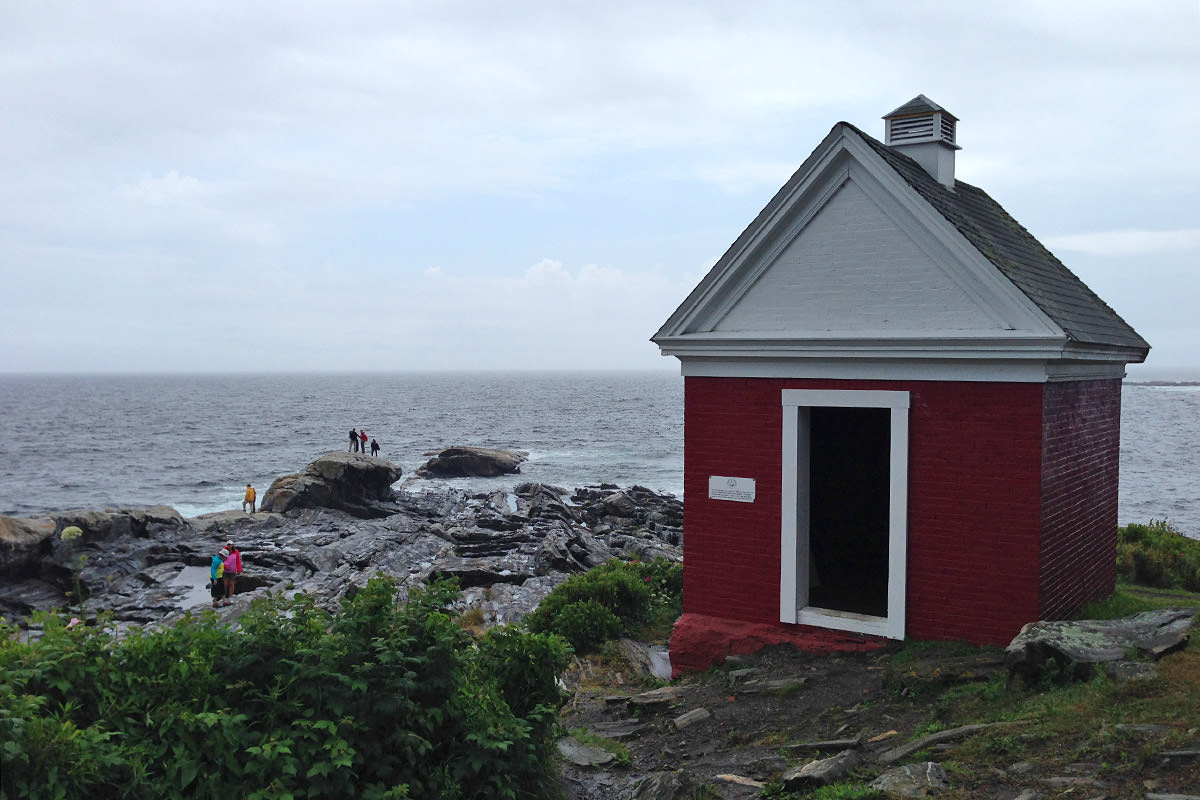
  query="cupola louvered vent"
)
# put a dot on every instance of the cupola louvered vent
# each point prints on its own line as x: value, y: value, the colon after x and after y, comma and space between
x: 924, y: 131
x: 948, y: 123
x: 910, y: 129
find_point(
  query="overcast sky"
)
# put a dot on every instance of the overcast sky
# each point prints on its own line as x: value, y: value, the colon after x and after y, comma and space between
x: 211, y: 186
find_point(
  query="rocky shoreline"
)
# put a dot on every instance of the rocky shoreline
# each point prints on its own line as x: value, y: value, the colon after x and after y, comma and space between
x: 326, y: 531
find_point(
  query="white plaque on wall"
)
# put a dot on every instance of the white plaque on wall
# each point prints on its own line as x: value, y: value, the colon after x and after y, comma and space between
x: 740, y: 490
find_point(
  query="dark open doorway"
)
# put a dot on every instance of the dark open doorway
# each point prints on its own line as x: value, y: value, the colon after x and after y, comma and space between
x: 849, y: 491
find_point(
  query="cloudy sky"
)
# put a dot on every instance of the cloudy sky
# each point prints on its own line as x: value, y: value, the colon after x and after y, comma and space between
x: 212, y: 186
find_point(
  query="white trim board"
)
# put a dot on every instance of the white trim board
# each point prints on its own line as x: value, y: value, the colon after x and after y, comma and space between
x: 794, y: 529
x: 964, y: 370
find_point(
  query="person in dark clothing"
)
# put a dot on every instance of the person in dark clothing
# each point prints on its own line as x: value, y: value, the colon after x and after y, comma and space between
x: 353, y: 441
x: 374, y: 447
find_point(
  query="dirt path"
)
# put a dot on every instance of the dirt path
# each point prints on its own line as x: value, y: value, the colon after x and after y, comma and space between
x: 758, y: 716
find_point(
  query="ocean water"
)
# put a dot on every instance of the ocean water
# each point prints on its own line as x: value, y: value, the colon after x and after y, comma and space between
x: 194, y: 441
x: 1160, y: 455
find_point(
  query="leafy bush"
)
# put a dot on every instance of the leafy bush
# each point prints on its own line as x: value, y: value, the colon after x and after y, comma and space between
x: 1158, y: 555
x: 610, y: 600
x: 381, y: 700
x: 586, y: 624
x: 664, y: 579
x: 525, y: 667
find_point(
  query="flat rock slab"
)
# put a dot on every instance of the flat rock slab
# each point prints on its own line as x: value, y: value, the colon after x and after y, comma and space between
x: 821, y: 773
x: 823, y: 745
x: 903, y: 751
x: 913, y: 780
x: 780, y: 686
x: 583, y: 755
x: 1084, y: 643
x: 618, y: 729
x: 736, y: 787
x: 691, y: 718
x: 655, y: 698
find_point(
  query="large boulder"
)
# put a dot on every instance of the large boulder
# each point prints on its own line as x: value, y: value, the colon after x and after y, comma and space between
x: 351, y: 482
x: 471, y: 462
x: 21, y: 543
x: 26, y: 542
x: 115, y: 523
x: 1078, y: 646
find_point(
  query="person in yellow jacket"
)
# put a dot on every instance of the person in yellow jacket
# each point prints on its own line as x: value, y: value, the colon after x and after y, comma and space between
x: 249, y: 498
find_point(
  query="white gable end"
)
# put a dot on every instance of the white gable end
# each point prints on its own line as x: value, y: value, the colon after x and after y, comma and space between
x: 852, y: 269
x: 850, y: 272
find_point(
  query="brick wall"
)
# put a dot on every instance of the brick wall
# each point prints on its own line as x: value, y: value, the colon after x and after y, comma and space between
x: 732, y: 427
x: 1081, y: 458
x: 974, y: 510
x: 974, y: 502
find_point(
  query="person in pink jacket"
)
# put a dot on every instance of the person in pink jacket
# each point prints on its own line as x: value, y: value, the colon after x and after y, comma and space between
x: 233, y: 568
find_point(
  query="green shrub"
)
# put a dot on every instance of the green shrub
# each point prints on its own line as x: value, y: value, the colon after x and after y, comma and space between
x: 380, y: 700
x: 525, y: 667
x: 1158, y: 555
x: 610, y: 600
x: 664, y: 579
x: 586, y: 624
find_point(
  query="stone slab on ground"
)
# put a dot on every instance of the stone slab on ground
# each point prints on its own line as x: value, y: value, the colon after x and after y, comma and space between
x: 1081, y: 644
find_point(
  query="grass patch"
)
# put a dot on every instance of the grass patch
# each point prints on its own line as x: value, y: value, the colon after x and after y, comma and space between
x: 1132, y: 599
x: 472, y: 621
x: 912, y: 651
x: 620, y: 752
x: 1157, y: 555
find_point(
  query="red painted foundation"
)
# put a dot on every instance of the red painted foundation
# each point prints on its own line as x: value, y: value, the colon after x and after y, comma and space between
x: 699, y: 641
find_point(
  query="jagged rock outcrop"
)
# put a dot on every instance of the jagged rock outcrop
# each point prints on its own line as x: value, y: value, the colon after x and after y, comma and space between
x: 39, y: 568
x: 508, y: 548
x: 355, y: 483
x: 21, y: 540
x: 467, y: 462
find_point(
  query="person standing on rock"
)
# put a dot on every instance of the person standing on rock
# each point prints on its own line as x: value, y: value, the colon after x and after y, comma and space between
x: 353, y: 441
x: 232, y: 570
x: 216, y: 572
x: 374, y: 447
x: 249, y: 498
x: 362, y: 434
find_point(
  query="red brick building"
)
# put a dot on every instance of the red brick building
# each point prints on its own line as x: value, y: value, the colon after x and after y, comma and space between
x: 902, y: 413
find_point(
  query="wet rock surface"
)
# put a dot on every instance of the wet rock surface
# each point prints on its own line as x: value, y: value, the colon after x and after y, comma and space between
x: 507, y: 548
x: 355, y: 483
x: 463, y: 462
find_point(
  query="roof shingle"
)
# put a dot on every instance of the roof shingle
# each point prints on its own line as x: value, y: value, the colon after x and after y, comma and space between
x: 1033, y: 269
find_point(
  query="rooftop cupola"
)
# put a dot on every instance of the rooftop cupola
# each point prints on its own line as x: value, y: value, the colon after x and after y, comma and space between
x: 924, y: 131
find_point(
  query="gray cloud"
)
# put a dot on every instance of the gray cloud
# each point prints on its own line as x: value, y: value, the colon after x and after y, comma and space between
x: 210, y: 185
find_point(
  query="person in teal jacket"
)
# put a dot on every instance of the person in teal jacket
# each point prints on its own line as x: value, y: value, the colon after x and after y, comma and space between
x: 217, y: 572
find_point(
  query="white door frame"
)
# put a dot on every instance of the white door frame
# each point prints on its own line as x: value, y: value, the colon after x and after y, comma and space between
x: 794, y: 532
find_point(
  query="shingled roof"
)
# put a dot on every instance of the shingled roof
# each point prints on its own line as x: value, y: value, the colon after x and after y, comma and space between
x: 919, y: 105
x: 1058, y: 292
